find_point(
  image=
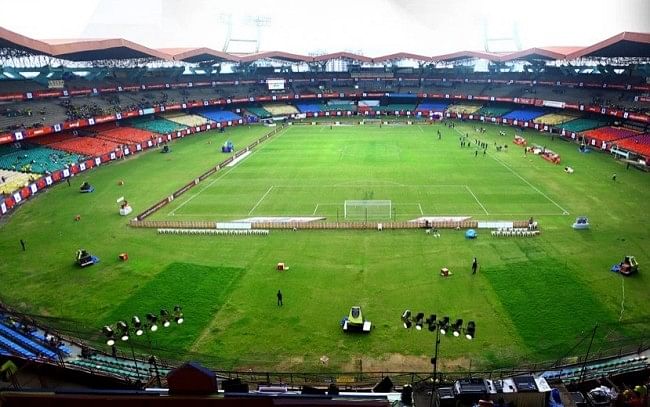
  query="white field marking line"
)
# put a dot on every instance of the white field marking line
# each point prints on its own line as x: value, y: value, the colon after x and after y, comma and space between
x: 421, y: 211
x: 261, y: 199
x: 420, y: 128
x: 564, y: 211
x: 172, y: 213
x: 315, y: 209
x: 476, y: 199
x: 620, y: 317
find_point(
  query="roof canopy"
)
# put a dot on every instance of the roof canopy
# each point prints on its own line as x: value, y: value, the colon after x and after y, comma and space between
x: 626, y: 44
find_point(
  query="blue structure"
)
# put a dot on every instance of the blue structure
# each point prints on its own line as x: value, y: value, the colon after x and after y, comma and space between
x: 309, y: 107
x: 471, y: 234
x: 219, y: 115
x: 228, y: 147
x: 432, y: 106
x: 524, y: 115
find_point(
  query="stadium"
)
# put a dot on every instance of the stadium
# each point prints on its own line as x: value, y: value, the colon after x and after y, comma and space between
x: 205, y: 225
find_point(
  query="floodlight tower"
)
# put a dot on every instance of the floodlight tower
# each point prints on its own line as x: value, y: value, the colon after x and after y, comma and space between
x: 506, y: 42
x: 257, y: 21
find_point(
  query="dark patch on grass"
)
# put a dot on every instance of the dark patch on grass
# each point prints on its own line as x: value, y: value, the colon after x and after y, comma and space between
x: 200, y: 290
x: 549, y: 321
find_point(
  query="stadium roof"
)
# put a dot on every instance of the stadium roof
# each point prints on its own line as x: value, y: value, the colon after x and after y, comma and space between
x: 195, y: 55
x: 401, y: 56
x: 279, y: 55
x: 10, y: 39
x: 626, y: 44
x: 543, y: 53
x: 460, y: 55
x: 342, y: 55
x: 101, y: 49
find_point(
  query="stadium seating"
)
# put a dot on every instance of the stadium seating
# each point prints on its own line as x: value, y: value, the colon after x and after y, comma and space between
x: 638, y: 144
x: 119, y: 367
x: 466, y: 108
x: 280, y: 109
x: 523, y: 114
x: 583, y: 124
x: 189, y: 120
x: 24, y: 341
x: 14, y: 180
x: 35, y: 159
x: 493, y: 111
x: 609, y: 133
x: 156, y: 125
x: 53, y: 138
x: 396, y: 107
x: 341, y: 106
x: 126, y: 135
x: 432, y: 106
x: 259, y: 112
x: 219, y: 115
x: 90, y: 146
x: 555, y: 118
x: 309, y: 107
x: 16, y: 349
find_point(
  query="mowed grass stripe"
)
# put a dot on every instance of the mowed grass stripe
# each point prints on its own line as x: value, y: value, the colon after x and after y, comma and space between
x: 548, y: 306
x: 200, y: 290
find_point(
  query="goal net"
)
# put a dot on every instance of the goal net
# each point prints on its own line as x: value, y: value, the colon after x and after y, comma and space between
x: 368, y: 210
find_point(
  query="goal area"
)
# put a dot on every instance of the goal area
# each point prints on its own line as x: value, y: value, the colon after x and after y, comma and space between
x: 364, y: 210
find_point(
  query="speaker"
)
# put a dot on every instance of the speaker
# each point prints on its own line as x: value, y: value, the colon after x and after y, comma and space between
x: 384, y: 386
x: 333, y: 390
x: 312, y: 390
x: 407, y: 395
x: 525, y: 384
x: 234, y: 386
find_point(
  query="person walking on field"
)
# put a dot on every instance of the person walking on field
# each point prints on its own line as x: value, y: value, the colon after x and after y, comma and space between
x: 474, y: 266
x: 22, y: 244
x: 279, y: 295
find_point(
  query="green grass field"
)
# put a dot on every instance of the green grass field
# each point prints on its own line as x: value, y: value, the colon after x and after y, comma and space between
x: 533, y: 298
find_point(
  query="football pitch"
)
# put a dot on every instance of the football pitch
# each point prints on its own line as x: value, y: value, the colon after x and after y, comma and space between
x: 533, y: 299
x: 308, y: 171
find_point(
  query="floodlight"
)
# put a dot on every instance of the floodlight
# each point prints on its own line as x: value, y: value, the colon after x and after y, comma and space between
x: 444, y: 325
x: 419, y: 321
x: 406, y: 319
x: 152, y: 322
x: 178, y: 314
x: 470, y: 332
x: 431, y: 321
x: 137, y: 324
x: 457, y: 327
x: 124, y: 330
x: 108, y: 332
x: 165, y: 317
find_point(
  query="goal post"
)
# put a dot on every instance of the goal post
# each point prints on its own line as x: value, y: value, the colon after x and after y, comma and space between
x: 368, y: 209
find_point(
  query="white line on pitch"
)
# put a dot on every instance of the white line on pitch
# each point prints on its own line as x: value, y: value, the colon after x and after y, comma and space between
x: 315, y: 210
x: 564, y: 211
x: 261, y: 199
x: 420, y: 128
x: 421, y: 211
x: 477, y: 201
x: 231, y: 169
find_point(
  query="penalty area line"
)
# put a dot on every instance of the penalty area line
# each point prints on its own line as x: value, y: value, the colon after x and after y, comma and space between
x: 261, y: 199
x: 564, y: 211
x: 476, y: 199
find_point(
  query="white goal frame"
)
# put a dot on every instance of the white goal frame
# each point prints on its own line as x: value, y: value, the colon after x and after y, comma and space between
x: 368, y: 209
